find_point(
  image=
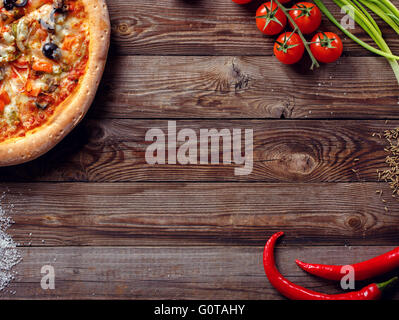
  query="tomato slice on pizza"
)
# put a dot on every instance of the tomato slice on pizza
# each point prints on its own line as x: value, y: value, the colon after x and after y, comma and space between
x: 52, y: 55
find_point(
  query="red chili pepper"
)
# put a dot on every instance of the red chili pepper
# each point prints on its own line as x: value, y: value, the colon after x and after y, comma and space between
x: 363, y: 270
x: 296, y: 292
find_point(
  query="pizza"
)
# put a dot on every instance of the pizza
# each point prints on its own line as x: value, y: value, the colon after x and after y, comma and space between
x: 52, y: 56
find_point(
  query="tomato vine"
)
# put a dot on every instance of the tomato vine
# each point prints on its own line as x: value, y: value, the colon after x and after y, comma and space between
x: 296, y: 29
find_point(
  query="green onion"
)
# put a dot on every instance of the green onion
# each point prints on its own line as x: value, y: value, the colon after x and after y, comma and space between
x: 350, y: 35
x: 364, y: 21
x: 360, y: 18
x: 389, y: 5
x: 394, y: 18
x: 383, y: 14
x: 368, y: 15
x: 389, y: 9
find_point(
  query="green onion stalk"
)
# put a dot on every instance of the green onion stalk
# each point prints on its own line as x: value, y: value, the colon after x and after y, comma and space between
x: 365, y: 22
x: 383, y: 12
x: 356, y: 9
x: 387, y: 7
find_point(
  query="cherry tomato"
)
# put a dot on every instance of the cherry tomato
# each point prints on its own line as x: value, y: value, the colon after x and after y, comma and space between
x: 307, y: 16
x: 242, y: 1
x: 284, y: 1
x: 326, y: 47
x: 270, y: 19
x: 289, y: 48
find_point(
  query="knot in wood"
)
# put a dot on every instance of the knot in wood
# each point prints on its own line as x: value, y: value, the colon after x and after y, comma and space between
x: 123, y: 28
x: 301, y: 163
x: 354, y: 222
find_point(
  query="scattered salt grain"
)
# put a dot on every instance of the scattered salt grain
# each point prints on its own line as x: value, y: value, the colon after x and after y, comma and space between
x: 9, y: 254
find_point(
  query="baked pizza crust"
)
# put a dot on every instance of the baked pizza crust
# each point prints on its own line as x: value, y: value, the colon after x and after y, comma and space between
x: 71, y: 111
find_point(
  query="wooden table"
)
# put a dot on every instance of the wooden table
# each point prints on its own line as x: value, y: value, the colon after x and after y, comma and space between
x: 114, y: 226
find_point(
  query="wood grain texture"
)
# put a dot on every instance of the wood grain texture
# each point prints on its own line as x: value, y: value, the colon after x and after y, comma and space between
x: 115, y: 227
x: 164, y: 214
x: 171, y: 273
x: 289, y: 151
x: 245, y: 87
x: 204, y: 27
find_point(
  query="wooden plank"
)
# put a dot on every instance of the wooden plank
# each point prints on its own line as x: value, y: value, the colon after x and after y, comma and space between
x: 207, y: 27
x: 291, y: 151
x: 164, y: 214
x: 245, y: 87
x: 171, y: 273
